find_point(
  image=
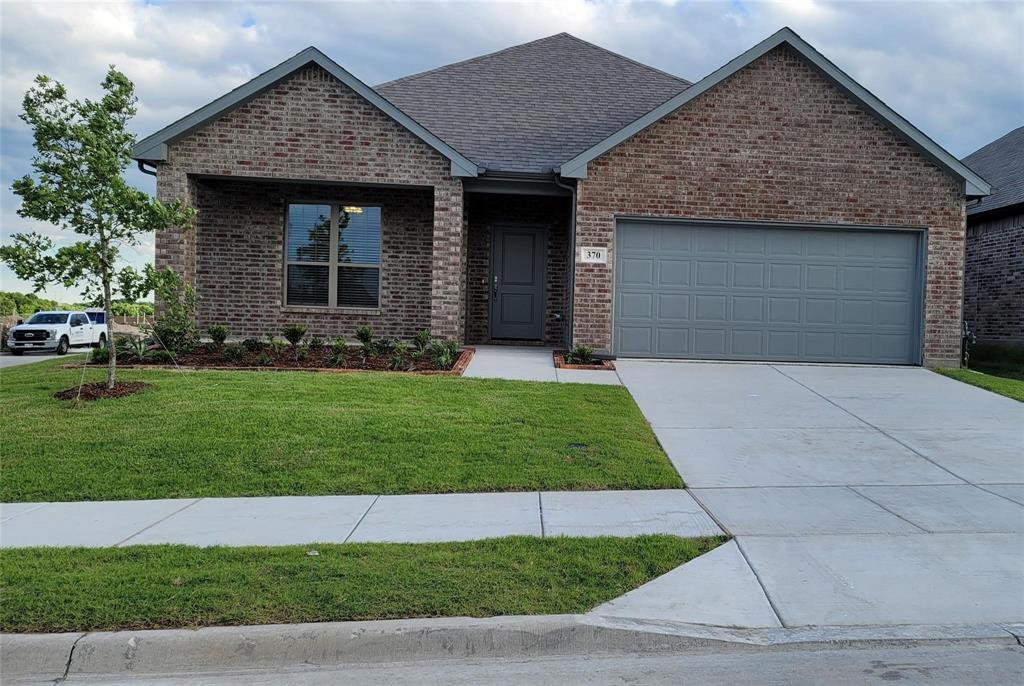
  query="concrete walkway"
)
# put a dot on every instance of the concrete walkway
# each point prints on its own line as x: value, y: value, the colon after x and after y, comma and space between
x: 344, y: 519
x: 529, y: 363
x: 857, y: 495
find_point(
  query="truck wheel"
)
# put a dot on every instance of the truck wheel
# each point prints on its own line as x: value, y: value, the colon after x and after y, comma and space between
x: 62, y: 347
x: 103, y: 341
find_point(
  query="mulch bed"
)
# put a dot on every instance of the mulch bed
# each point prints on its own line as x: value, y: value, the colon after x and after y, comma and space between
x: 316, y: 360
x: 99, y: 390
x: 596, y: 365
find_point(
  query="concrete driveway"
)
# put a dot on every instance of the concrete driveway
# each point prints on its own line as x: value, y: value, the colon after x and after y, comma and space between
x: 857, y: 495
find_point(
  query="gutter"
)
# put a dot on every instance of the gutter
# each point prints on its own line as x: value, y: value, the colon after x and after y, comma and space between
x: 142, y: 168
x: 570, y: 294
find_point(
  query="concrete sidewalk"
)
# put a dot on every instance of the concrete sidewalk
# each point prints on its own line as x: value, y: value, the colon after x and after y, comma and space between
x: 357, y: 518
x: 530, y: 363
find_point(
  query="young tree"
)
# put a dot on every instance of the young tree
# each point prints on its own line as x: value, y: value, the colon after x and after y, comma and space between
x: 82, y: 150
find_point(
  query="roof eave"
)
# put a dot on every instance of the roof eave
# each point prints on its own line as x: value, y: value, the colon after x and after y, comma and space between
x: 974, y: 185
x: 153, y: 148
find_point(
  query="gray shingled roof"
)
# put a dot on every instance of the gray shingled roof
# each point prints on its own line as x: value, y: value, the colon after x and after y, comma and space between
x: 533, y: 106
x: 1001, y: 163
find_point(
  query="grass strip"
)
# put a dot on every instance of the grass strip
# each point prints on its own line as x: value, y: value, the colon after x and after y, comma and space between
x: 151, y: 587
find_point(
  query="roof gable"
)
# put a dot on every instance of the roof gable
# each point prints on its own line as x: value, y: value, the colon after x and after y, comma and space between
x: 1001, y: 162
x: 974, y: 184
x: 154, y: 147
x: 528, y: 108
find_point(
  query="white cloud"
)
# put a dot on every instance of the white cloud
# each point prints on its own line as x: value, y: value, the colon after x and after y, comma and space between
x: 953, y: 68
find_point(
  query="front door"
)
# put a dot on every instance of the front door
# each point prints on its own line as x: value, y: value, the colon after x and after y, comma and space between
x: 518, y: 264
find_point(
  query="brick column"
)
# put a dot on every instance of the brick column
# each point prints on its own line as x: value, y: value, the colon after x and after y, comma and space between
x: 448, y: 264
x: 176, y: 248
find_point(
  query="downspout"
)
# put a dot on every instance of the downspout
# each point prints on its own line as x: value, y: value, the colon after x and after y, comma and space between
x: 570, y: 293
x: 142, y: 168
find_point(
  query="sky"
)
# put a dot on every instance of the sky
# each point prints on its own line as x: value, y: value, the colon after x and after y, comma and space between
x: 954, y: 69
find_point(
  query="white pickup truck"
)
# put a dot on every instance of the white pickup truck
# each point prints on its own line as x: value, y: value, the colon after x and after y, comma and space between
x: 57, y: 331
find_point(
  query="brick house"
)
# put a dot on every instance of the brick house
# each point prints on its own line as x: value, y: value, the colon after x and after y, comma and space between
x: 558, y: 193
x: 994, y: 264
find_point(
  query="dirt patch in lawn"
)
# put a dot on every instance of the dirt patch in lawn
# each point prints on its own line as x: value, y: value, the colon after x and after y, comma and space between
x: 99, y: 390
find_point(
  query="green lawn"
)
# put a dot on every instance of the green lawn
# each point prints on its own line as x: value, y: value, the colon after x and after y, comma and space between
x: 147, y: 587
x: 289, y: 433
x: 995, y: 368
x: 1011, y: 388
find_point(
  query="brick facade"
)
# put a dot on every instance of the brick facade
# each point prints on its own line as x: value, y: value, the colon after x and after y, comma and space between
x: 240, y: 263
x: 994, y: 279
x: 312, y: 128
x: 774, y: 142
x: 484, y: 210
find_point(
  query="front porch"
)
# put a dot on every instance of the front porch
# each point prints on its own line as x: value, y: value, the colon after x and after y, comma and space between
x: 517, y: 269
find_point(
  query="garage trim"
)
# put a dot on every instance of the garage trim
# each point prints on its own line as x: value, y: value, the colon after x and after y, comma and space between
x: 920, y: 275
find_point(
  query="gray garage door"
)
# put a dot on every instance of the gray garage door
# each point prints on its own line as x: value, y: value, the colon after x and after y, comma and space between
x: 766, y: 293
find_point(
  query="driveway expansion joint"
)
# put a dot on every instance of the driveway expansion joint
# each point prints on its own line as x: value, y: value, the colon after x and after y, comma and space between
x: 894, y: 514
x: 162, y: 519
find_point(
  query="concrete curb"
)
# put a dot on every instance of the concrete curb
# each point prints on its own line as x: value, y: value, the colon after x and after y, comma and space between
x: 182, y: 651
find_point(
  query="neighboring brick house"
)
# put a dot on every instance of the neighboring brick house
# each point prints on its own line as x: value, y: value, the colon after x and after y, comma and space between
x: 558, y: 193
x: 994, y: 266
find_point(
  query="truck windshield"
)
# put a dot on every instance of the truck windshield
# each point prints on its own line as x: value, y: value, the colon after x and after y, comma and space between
x: 48, y: 318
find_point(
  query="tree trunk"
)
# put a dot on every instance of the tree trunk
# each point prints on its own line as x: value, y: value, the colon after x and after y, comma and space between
x: 109, y: 317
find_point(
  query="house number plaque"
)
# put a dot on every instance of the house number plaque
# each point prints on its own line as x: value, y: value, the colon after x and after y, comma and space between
x: 594, y: 255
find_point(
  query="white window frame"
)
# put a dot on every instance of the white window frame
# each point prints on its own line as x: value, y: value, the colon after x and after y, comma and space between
x: 332, y: 263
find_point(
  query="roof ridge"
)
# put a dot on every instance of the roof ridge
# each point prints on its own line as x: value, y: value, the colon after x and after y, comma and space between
x: 410, y: 77
x: 628, y: 59
x: 470, y: 60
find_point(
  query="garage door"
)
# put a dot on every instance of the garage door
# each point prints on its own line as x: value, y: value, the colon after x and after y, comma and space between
x: 766, y: 293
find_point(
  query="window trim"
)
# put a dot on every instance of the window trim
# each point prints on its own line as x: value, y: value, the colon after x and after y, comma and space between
x: 332, y: 263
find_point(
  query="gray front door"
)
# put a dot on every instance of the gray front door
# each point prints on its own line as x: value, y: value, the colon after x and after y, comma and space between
x: 743, y: 292
x: 518, y: 263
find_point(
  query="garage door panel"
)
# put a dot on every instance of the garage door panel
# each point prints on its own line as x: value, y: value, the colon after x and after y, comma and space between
x: 766, y: 293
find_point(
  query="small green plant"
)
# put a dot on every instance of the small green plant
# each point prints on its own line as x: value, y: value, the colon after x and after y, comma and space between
x: 264, y: 360
x: 234, y: 352
x: 276, y: 346
x: 579, y: 354
x: 175, y: 329
x: 366, y: 351
x: 100, y: 356
x: 161, y: 356
x: 421, y: 340
x: 400, y: 357
x: 218, y: 334
x: 339, y: 346
x: 253, y: 345
x: 314, y: 343
x: 364, y: 335
x: 294, y: 333
x: 132, y: 347
x: 444, y: 353
x: 386, y: 346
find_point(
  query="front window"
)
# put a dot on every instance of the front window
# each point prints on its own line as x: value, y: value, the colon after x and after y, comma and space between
x: 48, y: 318
x: 332, y: 255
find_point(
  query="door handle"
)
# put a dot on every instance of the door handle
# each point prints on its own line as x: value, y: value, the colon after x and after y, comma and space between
x: 495, y: 284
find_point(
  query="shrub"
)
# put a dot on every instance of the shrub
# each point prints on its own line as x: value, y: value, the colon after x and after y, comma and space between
x: 364, y: 335
x: 294, y: 333
x: 234, y: 352
x: 386, y: 346
x: 176, y: 328
x: 444, y: 353
x: 100, y: 356
x: 131, y: 347
x: 421, y: 340
x: 276, y: 346
x: 315, y: 342
x: 218, y: 333
x: 400, y: 357
x: 580, y: 354
x: 265, y: 360
x: 160, y: 356
x: 253, y: 345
